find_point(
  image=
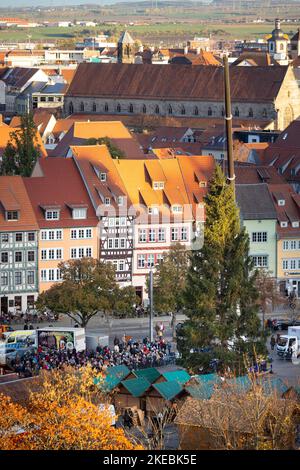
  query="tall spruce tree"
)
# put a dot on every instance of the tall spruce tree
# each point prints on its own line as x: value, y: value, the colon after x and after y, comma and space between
x: 221, y: 296
x: 22, y: 150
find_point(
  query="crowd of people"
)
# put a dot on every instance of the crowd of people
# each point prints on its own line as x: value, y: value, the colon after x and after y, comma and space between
x: 135, y: 354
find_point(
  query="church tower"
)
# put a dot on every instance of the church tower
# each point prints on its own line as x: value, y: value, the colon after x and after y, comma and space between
x: 278, y: 45
x: 126, y: 49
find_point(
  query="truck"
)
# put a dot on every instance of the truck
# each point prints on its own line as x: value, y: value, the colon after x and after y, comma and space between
x: 17, y: 343
x: 289, y: 345
x: 93, y: 341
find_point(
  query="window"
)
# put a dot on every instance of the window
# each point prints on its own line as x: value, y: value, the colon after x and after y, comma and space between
x: 161, y: 235
x: 71, y: 108
x: 260, y: 261
x: 174, y: 234
x: 18, y: 257
x: 82, y: 107
x: 141, y: 261
x: 123, y: 243
x: 209, y: 111
x: 19, y: 237
x: 223, y: 111
x: 153, y: 210
x: 131, y: 108
x: 285, y: 245
x: 4, y: 238
x: 81, y: 233
x: 236, y: 112
x: 295, y: 224
x: 121, y: 265
x: 170, y: 110
x: 106, y: 108
x: 88, y: 233
x: 116, y: 243
x: 150, y: 261
x: 265, y: 113
x: 30, y: 277
x: 73, y: 253
x: 94, y: 108
x: 102, y: 176
x: 79, y: 213
x: 12, y: 215
x: 107, y: 201
x: 120, y: 200
x: 156, y: 109
x: 258, y: 237
x: 177, y: 208
x: 123, y: 221
x: 31, y: 236
x: 151, y: 237
x: 4, y: 279
x: 142, y: 236
x: 118, y: 108
x: 184, y: 234
x: 283, y: 224
x: 182, y: 110
x: 52, y: 215
x: 44, y: 254
x: 196, y: 111
x: 144, y: 109
x: 110, y: 243
x: 285, y: 264
x: 250, y: 112
x: 281, y: 202
x: 31, y: 256
x: 73, y: 234
x: 88, y: 252
x: 159, y: 258
x: 18, y: 278
x: 293, y: 245
x: 4, y: 257
x: 293, y: 263
x: 51, y: 274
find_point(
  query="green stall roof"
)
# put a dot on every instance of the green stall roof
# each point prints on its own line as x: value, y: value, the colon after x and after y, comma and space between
x: 114, y: 376
x: 208, y: 378
x: 242, y: 383
x: 271, y: 385
x: 150, y: 373
x: 168, y: 390
x: 180, y: 376
x: 136, y: 387
x: 202, y: 391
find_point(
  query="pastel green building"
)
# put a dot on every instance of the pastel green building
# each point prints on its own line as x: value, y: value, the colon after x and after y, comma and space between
x: 259, y: 217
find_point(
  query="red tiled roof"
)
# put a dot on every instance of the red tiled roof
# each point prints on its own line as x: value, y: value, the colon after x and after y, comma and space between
x: 176, y: 82
x: 61, y: 185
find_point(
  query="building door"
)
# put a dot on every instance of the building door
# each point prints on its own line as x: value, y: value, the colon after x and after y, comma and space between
x: 4, y: 305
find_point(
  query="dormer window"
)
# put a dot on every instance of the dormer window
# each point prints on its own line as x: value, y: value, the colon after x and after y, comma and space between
x: 153, y: 210
x: 158, y: 185
x: 102, y: 176
x: 12, y: 215
x: 281, y: 202
x: 176, y: 208
x: 79, y: 213
x: 120, y: 200
x: 283, y: 224
x: 51, y: 215
x: 202, y: 184
x: 107, y: 201
x: 295, y: 224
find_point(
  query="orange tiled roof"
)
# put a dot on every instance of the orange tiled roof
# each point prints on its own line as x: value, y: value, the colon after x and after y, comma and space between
x: 13, y: 196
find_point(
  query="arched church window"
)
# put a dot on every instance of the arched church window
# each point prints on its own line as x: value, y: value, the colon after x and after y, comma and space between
x: 236, y: 112
x: 170, y: 110
x: 71, y: 108
x: 182, y: 110
x: 196, y: 111
x: 82, y: 107
x: 157, y: 109
x: 250, y: 113
x: 94, y: 107
x: 144, y: 109
x: 265, y: 113
x: 209, y: 111
x: 106, y: 107
x: 118, y: 108
x: 131, y: 108
x: 223, y: 111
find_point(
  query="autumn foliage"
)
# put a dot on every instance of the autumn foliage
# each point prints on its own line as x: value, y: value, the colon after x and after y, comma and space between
x: 62, y: 413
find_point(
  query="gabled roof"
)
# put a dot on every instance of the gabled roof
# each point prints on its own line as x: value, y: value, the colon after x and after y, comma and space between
x: 274, y: 384
x: 169, y: 390
x: 17, y: 77
x: 14, y: 196
x: 136, y: 387
x: 176, y: 82
x: 114, y: 376
x: 208, y: 378
x: 202, y: 391
x: 57, y: 182
x: 180, y: 376
x: 150, y: 374
x: 255, y: 202
x: 125, y: 38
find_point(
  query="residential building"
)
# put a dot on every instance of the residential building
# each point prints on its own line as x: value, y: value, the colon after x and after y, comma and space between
x: 18, y: 246
x: 287, y: 205
x: 258, y: 216
x: 65, y: 216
